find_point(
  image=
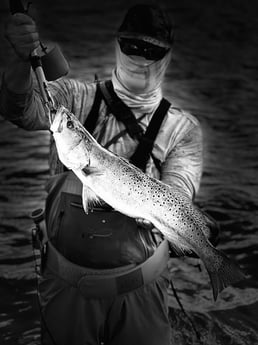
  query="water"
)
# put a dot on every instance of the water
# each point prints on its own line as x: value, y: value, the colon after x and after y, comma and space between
x: 214, y: 74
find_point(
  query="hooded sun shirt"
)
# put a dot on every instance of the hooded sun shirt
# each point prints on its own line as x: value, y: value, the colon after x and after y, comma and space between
x: 137, y: 81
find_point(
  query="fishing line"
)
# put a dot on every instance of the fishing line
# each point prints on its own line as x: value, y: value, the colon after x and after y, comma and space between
x: 184, y: 312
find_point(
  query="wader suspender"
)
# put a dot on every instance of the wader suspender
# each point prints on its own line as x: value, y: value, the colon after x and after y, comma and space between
x: 120, y: 110
x: 92, y: 118
x: 123, y: 113
x: 144, y: 149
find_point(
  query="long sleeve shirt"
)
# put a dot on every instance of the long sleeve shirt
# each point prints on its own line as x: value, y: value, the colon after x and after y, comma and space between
x: 178, y: 145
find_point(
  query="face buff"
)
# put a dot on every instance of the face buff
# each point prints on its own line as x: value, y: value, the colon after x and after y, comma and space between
x: 137, y: 81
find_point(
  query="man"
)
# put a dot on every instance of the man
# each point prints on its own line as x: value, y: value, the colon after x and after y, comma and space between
x: 104, y: 276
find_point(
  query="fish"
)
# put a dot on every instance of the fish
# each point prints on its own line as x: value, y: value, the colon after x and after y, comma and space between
x: 108, y: 177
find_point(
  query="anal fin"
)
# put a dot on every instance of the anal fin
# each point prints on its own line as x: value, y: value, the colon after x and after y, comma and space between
x: 179, y: 249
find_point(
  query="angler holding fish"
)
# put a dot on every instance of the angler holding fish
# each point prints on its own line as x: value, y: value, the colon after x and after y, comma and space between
x: 130, y: 191
x: 104, y: 276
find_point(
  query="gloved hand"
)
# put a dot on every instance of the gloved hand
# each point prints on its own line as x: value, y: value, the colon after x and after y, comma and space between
x: 214, y: 228
x: 22, y: 34
x: 212, y: 234
x: 143, y: 223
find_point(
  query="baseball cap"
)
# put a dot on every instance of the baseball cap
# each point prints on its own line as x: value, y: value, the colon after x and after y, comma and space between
x: 147, y: 23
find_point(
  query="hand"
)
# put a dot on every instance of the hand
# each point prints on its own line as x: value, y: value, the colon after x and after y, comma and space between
x: 22, y: 34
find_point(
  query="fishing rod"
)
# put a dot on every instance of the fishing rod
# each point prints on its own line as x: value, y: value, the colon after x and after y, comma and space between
x: 50, y: 66
x: 47, y: 99
x: 47, y: 67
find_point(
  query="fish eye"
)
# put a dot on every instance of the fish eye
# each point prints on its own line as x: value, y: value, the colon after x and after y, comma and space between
x: 69, y: 124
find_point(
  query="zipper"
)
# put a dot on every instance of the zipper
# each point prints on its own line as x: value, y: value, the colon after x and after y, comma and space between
x: 76, y: 204
x: 59, y: 226
x: 95, y: 209
x: 92, y: 236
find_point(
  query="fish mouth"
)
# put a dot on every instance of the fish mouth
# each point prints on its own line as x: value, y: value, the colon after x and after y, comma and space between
x: 59, y: 119
x: 60, y: 123
x: 60, y: 127
x: 57, y: 123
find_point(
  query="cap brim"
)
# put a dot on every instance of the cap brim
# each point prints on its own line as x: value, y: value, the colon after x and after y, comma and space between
x: 138, y: 36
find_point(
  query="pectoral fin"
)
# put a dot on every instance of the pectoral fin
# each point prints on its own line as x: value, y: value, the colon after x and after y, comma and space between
x: 89, y: 197
x: 91, y: 171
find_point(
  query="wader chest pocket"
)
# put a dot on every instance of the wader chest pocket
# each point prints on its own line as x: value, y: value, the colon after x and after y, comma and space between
x: 100, y: 239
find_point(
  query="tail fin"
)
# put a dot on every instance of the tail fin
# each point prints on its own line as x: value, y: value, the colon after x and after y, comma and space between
x: 223, y: 273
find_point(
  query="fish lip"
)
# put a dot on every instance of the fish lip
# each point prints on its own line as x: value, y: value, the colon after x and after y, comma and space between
x: 51, y: 128
x: 54, y: 127
x: 53, y: 131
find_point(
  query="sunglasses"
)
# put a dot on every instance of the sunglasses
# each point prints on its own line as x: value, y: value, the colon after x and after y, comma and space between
x: 141, y: 48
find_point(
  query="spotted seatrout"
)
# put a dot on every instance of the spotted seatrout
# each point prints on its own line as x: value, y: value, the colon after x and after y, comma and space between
x: 133, y: 193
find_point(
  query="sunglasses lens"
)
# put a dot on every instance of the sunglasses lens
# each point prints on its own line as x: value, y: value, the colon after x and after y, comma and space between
x: 142, y: 48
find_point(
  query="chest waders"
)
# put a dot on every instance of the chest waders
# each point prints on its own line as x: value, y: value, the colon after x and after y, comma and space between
x: 150, y: 262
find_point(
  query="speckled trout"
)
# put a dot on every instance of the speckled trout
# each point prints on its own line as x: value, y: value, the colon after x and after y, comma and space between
x: 127, y: 189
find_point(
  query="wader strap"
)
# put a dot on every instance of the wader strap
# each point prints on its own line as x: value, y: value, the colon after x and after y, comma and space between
x: 120, y: 110
x: 124, y: 114
x: 110, y: 282
x: 144, y: 149
x: 91, y: 121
